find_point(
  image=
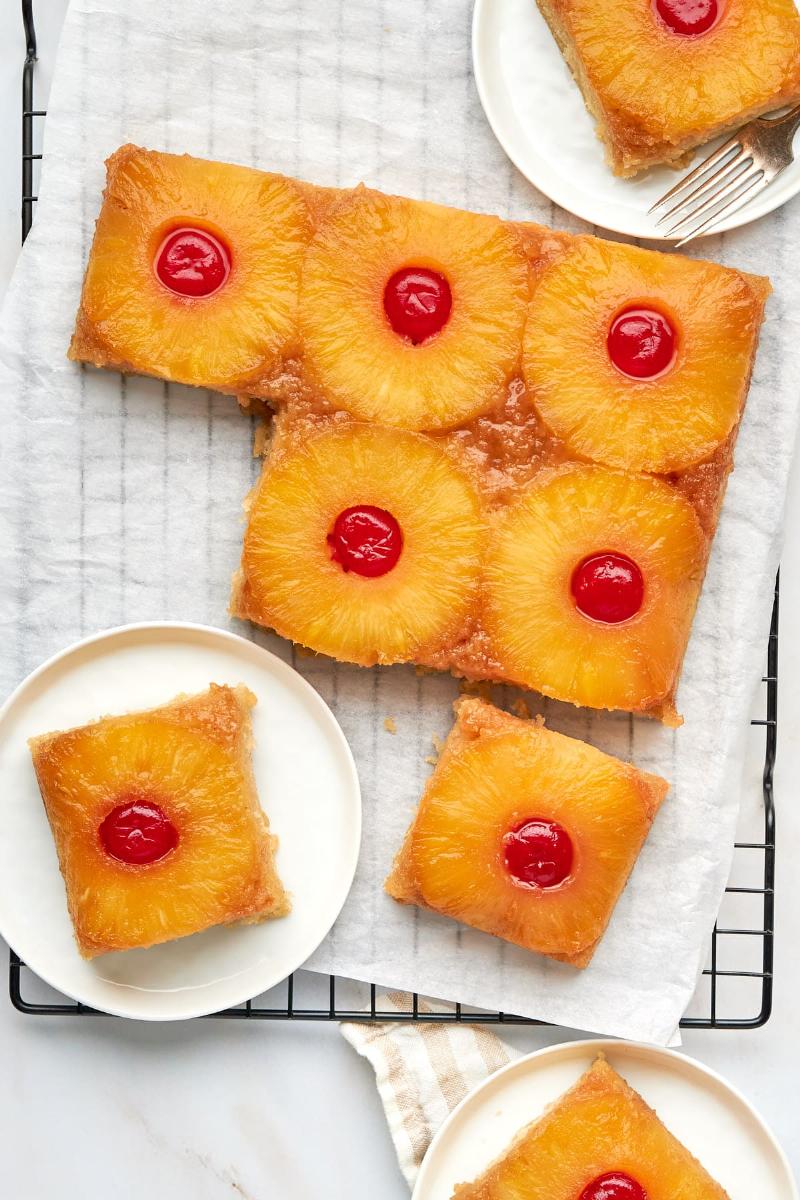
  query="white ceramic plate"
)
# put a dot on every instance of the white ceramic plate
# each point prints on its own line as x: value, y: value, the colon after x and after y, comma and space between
x: 306, y: 779
x: 709, y: 1116
x: 538, y: 116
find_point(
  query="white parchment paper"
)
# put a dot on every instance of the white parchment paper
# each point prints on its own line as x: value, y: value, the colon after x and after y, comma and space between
x: 120, y: 498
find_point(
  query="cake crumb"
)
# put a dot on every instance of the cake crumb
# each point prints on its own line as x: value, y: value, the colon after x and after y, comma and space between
x: 260, y: 442
x: 390, y: 725
x: 476, y: 687
x: 438, y: 746
x: 520, y: 709
x: 262, y: 438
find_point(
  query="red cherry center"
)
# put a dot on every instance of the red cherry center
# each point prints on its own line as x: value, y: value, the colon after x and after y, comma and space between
x: 689, y: 18
x: 418, y: 303
x: 608, y: 587
x: 138, y: 832
x: 641, y: 343
x: 192, y: 262
x: 366, y: 540
x: 538, y: 853
x: 616, y: 1185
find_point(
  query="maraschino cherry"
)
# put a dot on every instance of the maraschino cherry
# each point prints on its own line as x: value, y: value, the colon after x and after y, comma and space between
x: 538, y: 853
x: 138, y: 832
x: 608, y: 587
x: 366, y: 540
x: 641, y: 343
x: 615, y: 1185
x: 192, y: 262
x: 417, y: 302
x: 689, y: 18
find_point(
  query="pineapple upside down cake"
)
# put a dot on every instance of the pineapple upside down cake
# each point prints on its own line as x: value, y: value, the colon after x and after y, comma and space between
x: 661, y: 77
x: 525, y: 834
x: 499, y: 450
x: 157, y: 823
x: 599, y: 1141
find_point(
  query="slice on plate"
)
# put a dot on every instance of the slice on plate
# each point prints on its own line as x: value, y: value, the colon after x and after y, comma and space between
x: 599, y: 1141
x: 663, y: 76
x: 157, y: 822
x: 525, y: 834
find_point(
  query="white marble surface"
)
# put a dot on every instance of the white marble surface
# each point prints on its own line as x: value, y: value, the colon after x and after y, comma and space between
x: 207, y: 1111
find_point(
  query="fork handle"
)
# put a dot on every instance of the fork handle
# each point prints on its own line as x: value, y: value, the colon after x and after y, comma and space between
x: 788, y: 122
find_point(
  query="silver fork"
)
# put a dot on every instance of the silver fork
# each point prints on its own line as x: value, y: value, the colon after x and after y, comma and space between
x: 745, y: 164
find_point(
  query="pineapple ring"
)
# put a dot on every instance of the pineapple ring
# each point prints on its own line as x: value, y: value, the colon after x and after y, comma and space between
x: 539, y: 636
x: 651, y: 77
x: 224, y: 340
x: 203, y: 793
x: 666, y: 423
x: 292, y: 582
x: 486, y: 789
x: 360, y: 363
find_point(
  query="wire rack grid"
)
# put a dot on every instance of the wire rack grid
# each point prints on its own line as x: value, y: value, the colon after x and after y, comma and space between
x: 735, y: 991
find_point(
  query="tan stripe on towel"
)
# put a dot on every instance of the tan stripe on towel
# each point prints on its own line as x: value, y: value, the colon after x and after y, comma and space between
x: 436, y: 1039
x: 406, y: 1094
x: 492, y: 1051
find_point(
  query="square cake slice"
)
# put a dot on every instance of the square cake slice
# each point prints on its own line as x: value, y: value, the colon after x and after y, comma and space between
x: 194, y: 271
x: 525, y: 834
x: 157, y: 822
x: 663, y: 76
x: 597, y: 1141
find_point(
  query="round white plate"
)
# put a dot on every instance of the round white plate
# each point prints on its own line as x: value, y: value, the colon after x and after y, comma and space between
x: 538, y: 116
x: 306, y: 779
x: 710, y: 1117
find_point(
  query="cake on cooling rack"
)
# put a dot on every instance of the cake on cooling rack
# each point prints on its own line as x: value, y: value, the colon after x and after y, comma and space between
x: 661, y: 77
x: 193, y: 272
x: 157, y: 823
x: 500, y: 450
x: 377, y: 545
x: 525, y: 834
x: 599, y: 1141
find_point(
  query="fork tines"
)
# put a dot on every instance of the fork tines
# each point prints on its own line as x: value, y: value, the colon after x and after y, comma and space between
x: 706, y: 193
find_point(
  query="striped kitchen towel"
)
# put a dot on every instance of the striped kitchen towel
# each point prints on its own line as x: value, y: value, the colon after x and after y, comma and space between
x: 423, y: 1070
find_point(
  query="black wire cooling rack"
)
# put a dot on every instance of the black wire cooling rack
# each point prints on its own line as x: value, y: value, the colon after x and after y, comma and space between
x: 735, y: 990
